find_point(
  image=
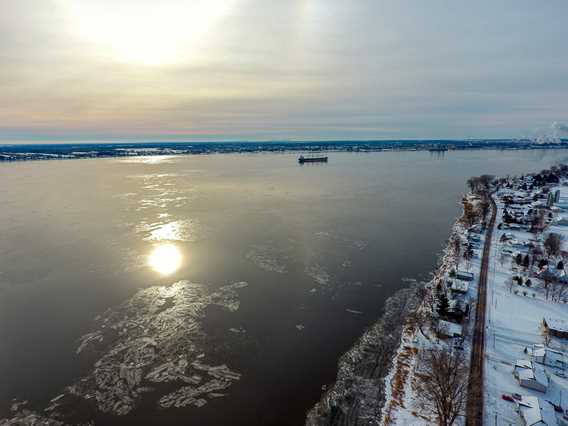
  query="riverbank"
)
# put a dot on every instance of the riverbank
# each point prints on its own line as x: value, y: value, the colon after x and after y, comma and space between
x: 378, y: 380
x: 18, y: 152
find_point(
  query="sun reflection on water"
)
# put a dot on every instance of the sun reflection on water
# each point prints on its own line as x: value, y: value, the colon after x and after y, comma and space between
x: 165, y: 259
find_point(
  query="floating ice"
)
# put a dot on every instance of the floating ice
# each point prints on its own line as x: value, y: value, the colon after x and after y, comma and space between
x: 155, y: 337
x: 267, y: 258
x: 319, y: 274
x: 87, y: 339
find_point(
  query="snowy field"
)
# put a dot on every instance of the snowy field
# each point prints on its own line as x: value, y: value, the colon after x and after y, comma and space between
x: 525, y: 375
x: 514, y: 322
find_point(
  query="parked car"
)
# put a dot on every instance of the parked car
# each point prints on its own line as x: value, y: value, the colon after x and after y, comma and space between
x: 507, y: 397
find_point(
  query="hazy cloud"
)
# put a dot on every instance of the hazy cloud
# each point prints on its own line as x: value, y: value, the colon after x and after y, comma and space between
x: 284, y: 69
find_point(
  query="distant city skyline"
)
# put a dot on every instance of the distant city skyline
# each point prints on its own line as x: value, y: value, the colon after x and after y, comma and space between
x: 252, y: 70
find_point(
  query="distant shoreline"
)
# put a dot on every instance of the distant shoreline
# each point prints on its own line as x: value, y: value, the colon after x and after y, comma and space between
x: 9, y: 153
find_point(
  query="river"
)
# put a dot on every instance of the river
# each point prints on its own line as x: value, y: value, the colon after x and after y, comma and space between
x: 249, y: 261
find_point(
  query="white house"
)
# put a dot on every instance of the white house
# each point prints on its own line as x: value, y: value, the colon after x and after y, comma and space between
x: 459, y: 286
x: 536, y: 412
x: 531, y: 375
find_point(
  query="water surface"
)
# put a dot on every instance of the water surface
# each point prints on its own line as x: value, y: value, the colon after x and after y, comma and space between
x: 270, y: 268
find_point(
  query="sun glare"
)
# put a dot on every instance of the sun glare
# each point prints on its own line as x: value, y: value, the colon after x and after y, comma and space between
x: 165, y: 259
x: 147, y: 32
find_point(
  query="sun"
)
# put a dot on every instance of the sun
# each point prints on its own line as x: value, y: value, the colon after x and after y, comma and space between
x: 146, y: 32
x: 165, y: 259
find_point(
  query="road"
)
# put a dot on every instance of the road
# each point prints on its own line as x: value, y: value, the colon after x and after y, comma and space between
x: 474, y: 409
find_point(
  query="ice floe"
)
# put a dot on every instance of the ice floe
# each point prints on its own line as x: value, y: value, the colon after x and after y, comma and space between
x: 318, y: 273
x: 155, y: 337
x: 267, y: 258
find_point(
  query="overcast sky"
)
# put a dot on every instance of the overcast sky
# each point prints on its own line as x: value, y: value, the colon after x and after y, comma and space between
x: 112, y: 70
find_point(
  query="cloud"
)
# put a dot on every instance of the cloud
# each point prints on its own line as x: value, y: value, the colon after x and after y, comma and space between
x: 560, y: 128
x: 301, y: 69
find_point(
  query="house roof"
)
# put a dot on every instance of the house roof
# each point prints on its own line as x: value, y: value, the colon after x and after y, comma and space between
x: 526, y: 370
x: 549, y: 355
x: 523, y: 363
x: 459, y: 285
x: 536, y: 412
x: 556, y: 324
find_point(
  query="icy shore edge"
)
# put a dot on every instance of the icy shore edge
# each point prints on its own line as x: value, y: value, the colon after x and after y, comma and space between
x: 360, y: 392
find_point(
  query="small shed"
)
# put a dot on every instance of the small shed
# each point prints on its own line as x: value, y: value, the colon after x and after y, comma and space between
x: 556, y: 327
x: 531, y: 376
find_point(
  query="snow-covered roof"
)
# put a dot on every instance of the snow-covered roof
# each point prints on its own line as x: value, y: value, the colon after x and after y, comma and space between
x: 523, y: 363
x: 549, y: 356
x: 556, y: 324
x: 536, y: 412
x: 460, y: 286
x: 527, y: 371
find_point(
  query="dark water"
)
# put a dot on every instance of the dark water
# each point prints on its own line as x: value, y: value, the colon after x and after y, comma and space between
x: 312, y: 242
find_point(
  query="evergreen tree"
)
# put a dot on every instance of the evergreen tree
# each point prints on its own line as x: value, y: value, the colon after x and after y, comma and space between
x: 526, y: 261
x: 443, y: 305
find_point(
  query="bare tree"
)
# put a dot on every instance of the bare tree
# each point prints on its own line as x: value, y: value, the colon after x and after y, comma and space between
x: 552, y: 244
x: 470, y: 215
x: 486, y: 180
x: 443, y: 384
x: 509, y: 283
x: 478, y: 185
x: 559, y: 290
x: 484, y: 207
x: 468, y: 255
x: 456, y: 246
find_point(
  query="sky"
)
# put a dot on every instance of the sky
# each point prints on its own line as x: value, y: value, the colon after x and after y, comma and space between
x: 148, y: 70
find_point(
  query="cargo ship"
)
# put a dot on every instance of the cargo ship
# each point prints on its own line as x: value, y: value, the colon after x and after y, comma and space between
x: 312, y: 159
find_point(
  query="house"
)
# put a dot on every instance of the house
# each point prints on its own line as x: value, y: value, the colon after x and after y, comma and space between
x: 478, y: 229
x: 464, y: 276
x: 459, y: 286
x: 546, y: 356
x: 449, y: 329
x: 530, y: 375
x: 457, y: 309
x: 556, y: 327
x: 536, y: 412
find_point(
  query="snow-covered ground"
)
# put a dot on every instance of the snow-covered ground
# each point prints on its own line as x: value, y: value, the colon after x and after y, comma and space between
x: 514, y: 321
